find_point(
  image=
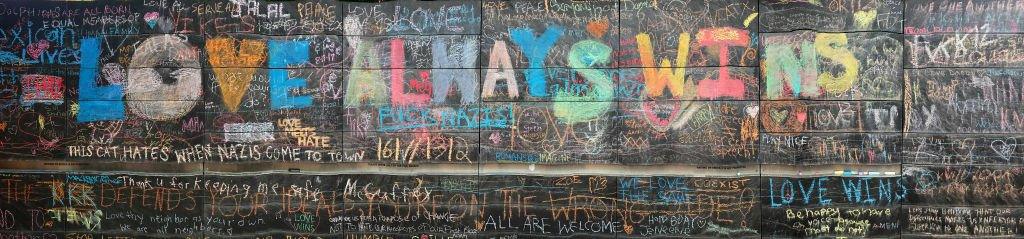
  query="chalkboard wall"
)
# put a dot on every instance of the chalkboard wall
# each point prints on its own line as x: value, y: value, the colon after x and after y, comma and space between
x: 511, y: 119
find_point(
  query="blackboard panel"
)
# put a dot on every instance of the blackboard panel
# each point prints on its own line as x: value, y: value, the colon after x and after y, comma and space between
x: 40, y: 33
x: 412, y: 18
x: 938, y: 185
x: 313, y: 97
x: 964, y: 100
x: 441, y: 117
x: 864, y: 191
x: 322, y: 118
x: 401, y: 91
x: 627, y: 206
x: 963, y: 149
x: 238, y: 50
x: 558, y: 84
x: 418, y: 52
x: 136, y: 205
x: 540, y: 133
x: 929, y: 222
x: 963, y: 185
x: 133, y: 17
x: 944, y: 16
x: 323, y: 51
x: 690, y: 207
x: 549, y: 30
x: 689, y: 15
x: 247, y: 205
x: 229, y: 96
x: 573, y: 205
x: 221, y: 17
x: 246, y: 94
x: 699, y: 83
x: 830, y: 148
x: 686, y: 132
x: 409, y: 148
x: 443, y: 190
x: 408, y: 205
x: 108, y: 18
x: 125, y: 52
x: 830, y: 116
x: 708, y: 24
x: 316, y: 17
x: 832, y: 66
x: 410, y: 220
x: 34, y: 111
x: 537, y: 221
x: 257, y: 146
x: 133, y: 137
x: 26, y: 201
x: 817, y: 222
x: 832, y: 15
x: 962, y: 50
x: 551, y: 191
x: 179, y: 16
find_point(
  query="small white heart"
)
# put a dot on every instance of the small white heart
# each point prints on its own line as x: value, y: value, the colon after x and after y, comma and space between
x: 752, y: 110
x: 1004, y: 149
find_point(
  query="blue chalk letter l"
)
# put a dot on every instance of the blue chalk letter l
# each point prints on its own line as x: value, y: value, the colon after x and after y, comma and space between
x: 96, y: 103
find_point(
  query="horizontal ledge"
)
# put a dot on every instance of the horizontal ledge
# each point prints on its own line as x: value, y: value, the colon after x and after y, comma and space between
x: 94, y: 166
x: 389, y: 168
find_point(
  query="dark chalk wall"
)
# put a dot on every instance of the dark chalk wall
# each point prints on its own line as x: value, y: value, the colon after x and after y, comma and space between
x: 511, y: 119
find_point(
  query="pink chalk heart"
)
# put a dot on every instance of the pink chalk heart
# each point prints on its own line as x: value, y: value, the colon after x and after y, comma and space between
x: 650, y: 110
x: 150, y: 18
x: 37, y: 48
x: 802, y: 117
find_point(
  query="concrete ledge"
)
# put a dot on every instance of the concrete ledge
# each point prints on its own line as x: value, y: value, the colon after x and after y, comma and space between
x: 749, y: 170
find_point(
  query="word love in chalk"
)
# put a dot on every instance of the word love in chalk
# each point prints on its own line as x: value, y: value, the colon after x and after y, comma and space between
x: 169, y: 78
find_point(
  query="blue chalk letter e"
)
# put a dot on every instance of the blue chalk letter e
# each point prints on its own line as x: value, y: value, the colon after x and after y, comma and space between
x: 281, y: 55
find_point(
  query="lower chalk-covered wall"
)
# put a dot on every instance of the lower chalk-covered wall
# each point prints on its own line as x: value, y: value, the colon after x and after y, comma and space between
x: 511, y: 119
